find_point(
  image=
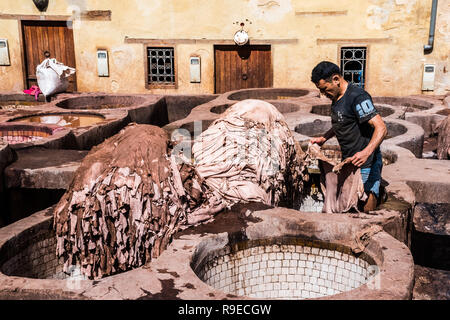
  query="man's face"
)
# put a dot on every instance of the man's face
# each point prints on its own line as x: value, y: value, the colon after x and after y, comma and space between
x: 330, y: 89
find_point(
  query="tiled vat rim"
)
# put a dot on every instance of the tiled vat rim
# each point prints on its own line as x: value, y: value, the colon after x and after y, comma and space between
x: 286, y: 268
x: 20, y: 135
x: 88, y: 100
x: 33, y: 255
x: 57, y: 113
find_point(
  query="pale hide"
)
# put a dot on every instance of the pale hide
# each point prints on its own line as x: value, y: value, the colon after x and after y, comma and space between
x: 249, y: 154
x: 341, y: 183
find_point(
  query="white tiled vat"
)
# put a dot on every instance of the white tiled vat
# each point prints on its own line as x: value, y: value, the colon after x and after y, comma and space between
x: 285, y: 272
x: 36, y: 258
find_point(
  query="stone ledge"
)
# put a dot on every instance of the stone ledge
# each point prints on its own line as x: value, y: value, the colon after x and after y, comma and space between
x: 40, y: 168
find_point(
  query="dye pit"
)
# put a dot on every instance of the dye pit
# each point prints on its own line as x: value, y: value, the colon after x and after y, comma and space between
x: 286, y: 269
x: 273, y: 94
x: 325, y: 110
x: 23, y: 133
x: 34, y: 256
x: 215, y: 261
x: 72, y: 120
x: 317, y: 127
x: 100, y: 102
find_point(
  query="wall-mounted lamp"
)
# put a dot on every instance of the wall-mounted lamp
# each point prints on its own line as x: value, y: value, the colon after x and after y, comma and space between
x: 195, y: 71
x: 241, y: 36
x: 4, y: 53
x: 41, y: 4
x: 102, y: 63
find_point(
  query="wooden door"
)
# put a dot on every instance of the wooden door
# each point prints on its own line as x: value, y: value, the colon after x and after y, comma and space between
x: 242, y: 67
x: 51, y: 39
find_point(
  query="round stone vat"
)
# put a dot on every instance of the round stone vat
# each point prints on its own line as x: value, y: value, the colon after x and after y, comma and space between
x: 268, y: 94
x: 325, y: 110
x: 283, y: 107
x: 179, y: 106
x: 315, y: 128
x: 221, y: 108
x: 72, y: 120
x: 32, y: 254
x: 333, y: 151
x: 286, y: 268
x: 196, y: 127
x: 100, y: 102
x: 318, y: 127
x: 19, y: 133
x: 394, y: 129
x: 17, y: 105
x: 36, y: 275
x: 407, y: 104
x: 286, y: 254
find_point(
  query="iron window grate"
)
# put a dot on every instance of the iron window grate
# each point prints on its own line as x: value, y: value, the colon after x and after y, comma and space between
x: 353, y: 64
x: 161, y: 66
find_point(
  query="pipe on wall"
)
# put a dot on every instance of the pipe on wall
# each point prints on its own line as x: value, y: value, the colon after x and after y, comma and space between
x: 428, y: 48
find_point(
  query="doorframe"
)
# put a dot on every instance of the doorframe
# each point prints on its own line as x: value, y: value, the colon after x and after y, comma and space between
x: 22, y: 54
x: 271, y: 47
x: 21, y: 20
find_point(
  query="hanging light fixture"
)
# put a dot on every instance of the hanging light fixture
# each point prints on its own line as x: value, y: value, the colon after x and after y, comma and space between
x: 41, y: 4
x: 241, y: 37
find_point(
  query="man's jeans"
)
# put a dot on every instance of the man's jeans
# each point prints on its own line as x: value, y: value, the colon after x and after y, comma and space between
x: 371, y: 177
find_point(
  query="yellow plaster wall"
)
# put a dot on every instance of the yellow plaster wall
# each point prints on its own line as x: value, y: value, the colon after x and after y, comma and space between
x: 394, y: 65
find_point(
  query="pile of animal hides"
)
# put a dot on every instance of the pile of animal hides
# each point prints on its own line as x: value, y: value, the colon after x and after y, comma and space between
x: 131, y: 193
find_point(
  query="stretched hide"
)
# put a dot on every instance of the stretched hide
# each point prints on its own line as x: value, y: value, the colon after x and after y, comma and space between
x: 341, y: 183
x: 250, y: 155
x: 126, y: 201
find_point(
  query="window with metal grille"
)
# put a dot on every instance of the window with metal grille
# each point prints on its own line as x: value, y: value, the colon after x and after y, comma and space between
x: 353, y: 65
x: 161, y: 66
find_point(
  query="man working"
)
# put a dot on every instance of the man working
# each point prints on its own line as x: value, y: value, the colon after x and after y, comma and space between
x: 356, y: 124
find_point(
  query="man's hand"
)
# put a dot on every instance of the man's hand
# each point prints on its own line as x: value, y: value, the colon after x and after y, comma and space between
x: 319, y: 140
x: 359, y: 158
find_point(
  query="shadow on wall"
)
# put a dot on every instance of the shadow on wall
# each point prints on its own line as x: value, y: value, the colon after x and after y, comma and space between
x: 430, y: 243
x: 180, y: 106
x: 23, y: 202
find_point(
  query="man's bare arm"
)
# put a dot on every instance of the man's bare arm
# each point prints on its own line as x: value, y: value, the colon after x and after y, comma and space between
x: 378, y: 136
x: 321, y: 140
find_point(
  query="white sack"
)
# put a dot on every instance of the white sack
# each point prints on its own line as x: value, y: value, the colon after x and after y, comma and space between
x: 52, y: 76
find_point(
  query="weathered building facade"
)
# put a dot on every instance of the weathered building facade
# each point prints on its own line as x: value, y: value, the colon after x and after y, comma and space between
x: 187, y: 46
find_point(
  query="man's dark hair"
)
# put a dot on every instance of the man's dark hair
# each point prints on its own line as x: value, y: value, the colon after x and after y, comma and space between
x: 324, y: 70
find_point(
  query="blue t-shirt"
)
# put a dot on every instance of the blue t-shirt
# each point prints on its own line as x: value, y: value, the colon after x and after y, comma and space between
x: 349, y: 118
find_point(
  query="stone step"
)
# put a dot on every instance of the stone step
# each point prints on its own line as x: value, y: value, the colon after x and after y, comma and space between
x: 41, y: 168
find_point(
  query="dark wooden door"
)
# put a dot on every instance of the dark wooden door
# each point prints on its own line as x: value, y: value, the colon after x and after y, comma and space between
x: 47, y: 38
x: 242, y: 67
